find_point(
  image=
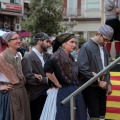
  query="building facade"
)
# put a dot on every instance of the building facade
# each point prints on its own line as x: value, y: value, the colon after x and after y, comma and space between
x: 83, y: 17
x: 26, y: 9
x: 11, y: 11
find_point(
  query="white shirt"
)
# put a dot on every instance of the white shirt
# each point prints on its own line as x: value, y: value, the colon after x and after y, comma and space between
x: 102, y: 55
x: 3, y: 78
x: 40, y: 56
x: 20, y: 55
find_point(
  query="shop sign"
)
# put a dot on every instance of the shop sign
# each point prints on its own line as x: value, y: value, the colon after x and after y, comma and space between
x: 11, y: 7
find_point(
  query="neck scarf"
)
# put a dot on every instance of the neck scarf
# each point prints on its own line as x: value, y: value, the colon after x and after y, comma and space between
x: 67, y: 65
x: 11, y: 67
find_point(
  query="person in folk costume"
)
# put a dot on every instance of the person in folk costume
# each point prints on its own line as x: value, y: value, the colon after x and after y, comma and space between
x: 3, y: 45
x: 14, y: 101
x: 111, y: 15
x: 62, y: 71
x: 33, y: 70
x: 92, y: 58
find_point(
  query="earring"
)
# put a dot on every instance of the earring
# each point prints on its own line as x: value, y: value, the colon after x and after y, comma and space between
x: 63, y: 47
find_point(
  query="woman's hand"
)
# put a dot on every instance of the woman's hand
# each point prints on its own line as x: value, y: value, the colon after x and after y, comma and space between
x: 6, y: 87
x: 53, y: 78
x: 58, y: 85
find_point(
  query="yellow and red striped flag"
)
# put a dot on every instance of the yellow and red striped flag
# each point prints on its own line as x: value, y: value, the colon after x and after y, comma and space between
x: 113, y: 101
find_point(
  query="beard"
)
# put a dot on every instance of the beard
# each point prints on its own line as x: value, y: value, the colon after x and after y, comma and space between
x: 44, y: 48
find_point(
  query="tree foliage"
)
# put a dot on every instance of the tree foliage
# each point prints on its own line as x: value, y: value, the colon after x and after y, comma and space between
x: 44, y: 16
x: 81, y: 41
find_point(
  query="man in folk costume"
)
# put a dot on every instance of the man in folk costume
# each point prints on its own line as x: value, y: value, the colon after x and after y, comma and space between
x: 111, y: 15
x: 92, y: 58
x: 14, y: 102
x: 33, y: 69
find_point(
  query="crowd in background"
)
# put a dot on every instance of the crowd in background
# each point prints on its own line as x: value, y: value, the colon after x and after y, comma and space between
x: 34, y: 79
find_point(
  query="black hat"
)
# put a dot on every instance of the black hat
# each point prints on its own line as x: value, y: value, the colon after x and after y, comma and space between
x: 60, y: 39
x: 41, y: 36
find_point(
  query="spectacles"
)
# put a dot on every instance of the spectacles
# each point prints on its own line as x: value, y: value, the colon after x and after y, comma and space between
x: 16, y: 38
x: 105, y: 39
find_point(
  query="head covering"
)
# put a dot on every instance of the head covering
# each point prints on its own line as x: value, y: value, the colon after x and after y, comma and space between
x: 7, y: 36
x: 4, y: 37
x: 41, y: 36
x: 60, y: 39
x: 106, y: 31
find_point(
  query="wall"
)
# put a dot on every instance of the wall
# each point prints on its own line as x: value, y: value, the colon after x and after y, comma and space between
x: 6, y: 1
x: 90, y: 12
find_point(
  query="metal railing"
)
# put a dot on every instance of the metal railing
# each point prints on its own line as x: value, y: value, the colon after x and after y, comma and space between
x: 93, y: 79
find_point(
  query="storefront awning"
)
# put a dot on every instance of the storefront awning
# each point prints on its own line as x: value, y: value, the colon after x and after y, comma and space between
x: 25, y: 34
x: 11, y: 13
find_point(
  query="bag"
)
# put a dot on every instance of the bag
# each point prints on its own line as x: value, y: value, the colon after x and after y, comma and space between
x: 49, y: 110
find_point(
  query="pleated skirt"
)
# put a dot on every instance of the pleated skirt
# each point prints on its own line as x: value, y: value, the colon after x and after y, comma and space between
x: 4, y: 106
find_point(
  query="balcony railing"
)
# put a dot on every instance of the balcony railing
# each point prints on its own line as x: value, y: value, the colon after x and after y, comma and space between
x: 71, y: 12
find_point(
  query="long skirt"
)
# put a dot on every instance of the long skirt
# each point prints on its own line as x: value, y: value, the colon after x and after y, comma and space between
x: 19, y: 104
x: 57, y: 111
x: 63, y: 112
x: 4, y: 106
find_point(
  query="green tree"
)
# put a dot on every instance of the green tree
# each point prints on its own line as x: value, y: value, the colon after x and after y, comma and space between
x: 44, y: 16
x: 81, y: 41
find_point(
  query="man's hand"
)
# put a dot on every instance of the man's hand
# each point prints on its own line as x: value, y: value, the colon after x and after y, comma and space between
x: 109, y: 90
x: 39, y: 77
x: 98, y: 79
x: 102, y: 84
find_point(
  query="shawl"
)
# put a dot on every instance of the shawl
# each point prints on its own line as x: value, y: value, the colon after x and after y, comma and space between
x: 11, y: 67
x: 67, y: 65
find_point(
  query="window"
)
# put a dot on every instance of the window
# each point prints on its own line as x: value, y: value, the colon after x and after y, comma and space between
x: 11, y: 1
x: 15, y: 1
x: 71, y: 7
x: 92, y: 4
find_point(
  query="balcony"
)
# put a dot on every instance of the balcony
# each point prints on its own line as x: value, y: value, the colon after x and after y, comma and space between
x: 68, y: 12
x: 81, y: 14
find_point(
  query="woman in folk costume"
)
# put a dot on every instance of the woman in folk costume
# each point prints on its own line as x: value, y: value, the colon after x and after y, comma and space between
x: 3, y: 45
x: 62, y: 71
x: 14, y: 102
